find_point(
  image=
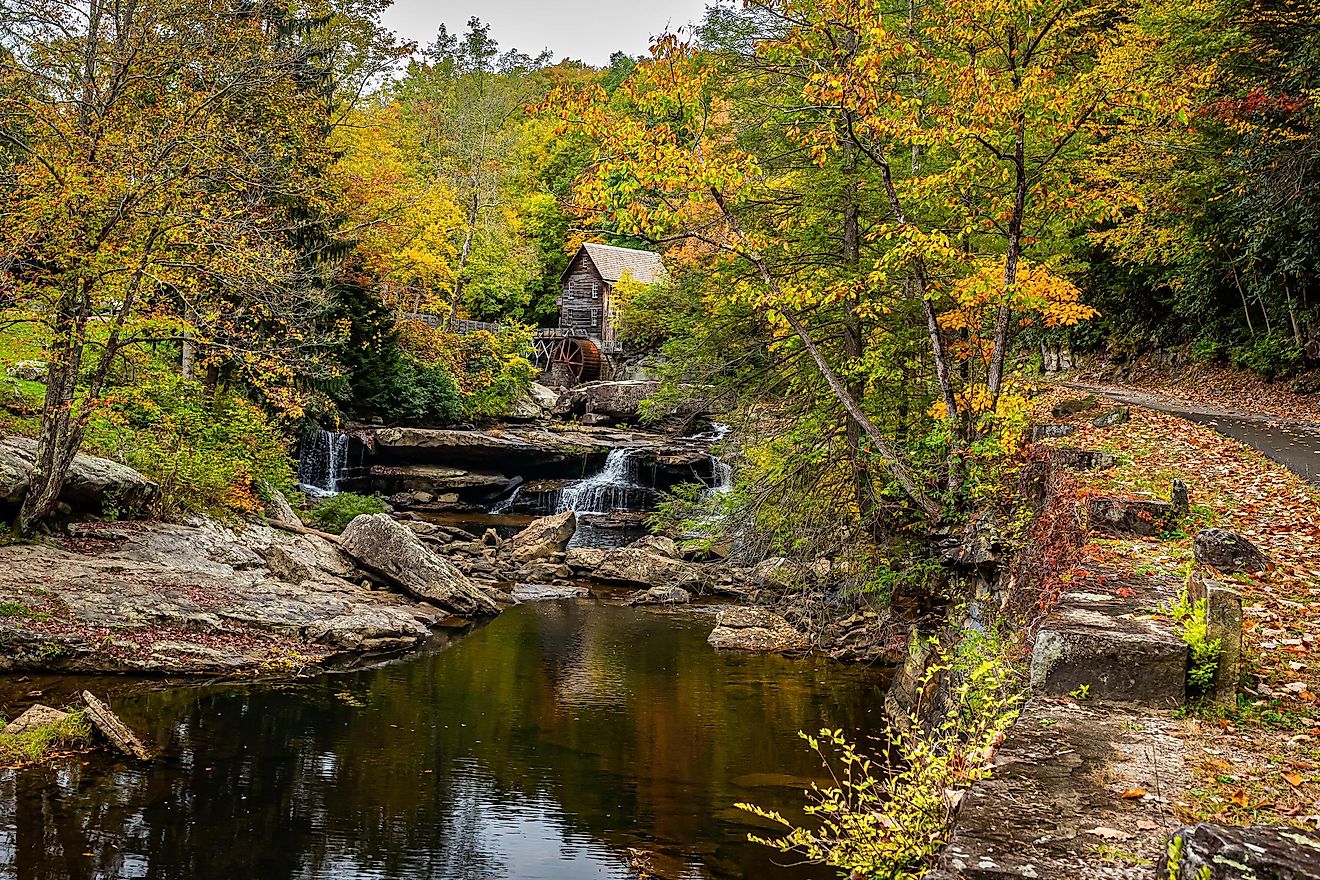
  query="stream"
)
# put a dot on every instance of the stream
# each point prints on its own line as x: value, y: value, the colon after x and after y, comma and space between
x: 541, y: 746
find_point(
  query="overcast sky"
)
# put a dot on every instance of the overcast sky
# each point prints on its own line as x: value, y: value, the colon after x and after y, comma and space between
x: 584, y: 30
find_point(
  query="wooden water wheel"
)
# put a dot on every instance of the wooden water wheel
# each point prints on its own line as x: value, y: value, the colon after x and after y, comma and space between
x: 579, y: 357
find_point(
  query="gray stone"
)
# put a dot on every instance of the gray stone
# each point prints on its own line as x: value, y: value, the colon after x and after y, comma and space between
x: 93, y: 485
x: 278, y: 509
x: 1228, y: 552
x: 1214, y: 852
x: 1050, y: 432
x: 1129, y: 516
x: 549, y: 592
x: 36, y: 716
x: 194, y: 599
x: 544, y: 537
x: 758, y: 630
x: 629, y: 565
x: 1081, y: 459
x: 1113, y: 649
x: 391, y: 550
x: 1075, y: 406
x: 1111, y: 417
x: 1181, y: 498
x: 658, y: 544
x: 1223, y: 608
x: 1052, y: 807
x: 780, y: 572
x: 661, y: 596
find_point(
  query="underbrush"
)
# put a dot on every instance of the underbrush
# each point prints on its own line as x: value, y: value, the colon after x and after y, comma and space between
x: 36, y: 744
x: 333, y: 514
x: 889, y: 814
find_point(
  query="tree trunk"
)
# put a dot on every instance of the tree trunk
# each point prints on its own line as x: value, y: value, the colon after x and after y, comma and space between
x: 900, y: 471
x: 852, y: 350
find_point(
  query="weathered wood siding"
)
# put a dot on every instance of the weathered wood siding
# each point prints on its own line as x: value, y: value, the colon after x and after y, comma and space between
x: 583, y: 303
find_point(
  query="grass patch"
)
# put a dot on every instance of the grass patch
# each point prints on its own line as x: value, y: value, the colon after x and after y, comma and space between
x: 18, y: 609
x: 38, y: 743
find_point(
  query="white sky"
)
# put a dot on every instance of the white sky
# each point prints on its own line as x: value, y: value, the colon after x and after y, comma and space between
x: 584, y: 30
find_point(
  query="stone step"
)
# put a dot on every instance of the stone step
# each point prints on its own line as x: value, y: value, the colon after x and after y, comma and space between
x: 1078, y: 790
x: 1109, y: 648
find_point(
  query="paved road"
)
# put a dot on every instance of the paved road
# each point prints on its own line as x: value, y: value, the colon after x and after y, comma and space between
x: 1295, y: 445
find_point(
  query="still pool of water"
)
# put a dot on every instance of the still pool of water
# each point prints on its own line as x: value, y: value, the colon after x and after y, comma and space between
x: 542, y: 746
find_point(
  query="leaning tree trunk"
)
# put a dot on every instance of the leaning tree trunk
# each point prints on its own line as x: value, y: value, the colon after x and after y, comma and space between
x: 60, y: 435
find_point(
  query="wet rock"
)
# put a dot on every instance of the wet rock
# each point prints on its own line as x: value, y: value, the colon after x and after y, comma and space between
x: 758, y: 630
x: 93, y: 485
x: 1117, y: 415
x: 1075, y: 406
x: 661, y: 596
x: 1050, y: 432
x: 544, y: 537
x: 36, y: 716
x: 549, y: 592
x: 1213, y: 852
x: 1228, y: 552
x: 380, y: 544
x: 1129, y: 516
x: 27, y: 371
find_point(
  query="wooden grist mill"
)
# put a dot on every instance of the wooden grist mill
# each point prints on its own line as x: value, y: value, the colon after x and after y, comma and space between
x: 578, y: 350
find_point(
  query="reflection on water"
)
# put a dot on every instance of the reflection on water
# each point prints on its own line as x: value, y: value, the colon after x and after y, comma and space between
x: 540, y: 747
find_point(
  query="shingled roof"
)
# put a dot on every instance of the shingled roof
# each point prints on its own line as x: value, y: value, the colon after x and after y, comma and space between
x: 612, y: 262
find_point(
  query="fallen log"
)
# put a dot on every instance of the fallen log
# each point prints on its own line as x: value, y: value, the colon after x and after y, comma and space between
x: 303, y: 530
x: 114, y: 729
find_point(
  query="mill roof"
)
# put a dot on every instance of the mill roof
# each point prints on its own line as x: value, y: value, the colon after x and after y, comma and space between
x: 612, y: 262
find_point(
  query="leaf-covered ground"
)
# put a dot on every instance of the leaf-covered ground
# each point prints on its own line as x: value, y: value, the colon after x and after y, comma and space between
x: 1260, y: 762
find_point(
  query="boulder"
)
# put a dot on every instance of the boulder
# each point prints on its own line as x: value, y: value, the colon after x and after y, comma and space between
x: 661, y: 596
x: 279, y: 510
x: 1075, y: 406
x: 658, y: 544
x: 1129, y: 516
x: 705, y: 550
x: 630, y: 565
x: 780, y: 572
x: 585, y: 559
x: 1075, y: 459
x: 391, y: 550
x: 1214, y: 852
x: 544, y: 537
x: 27, y: 371
x: 1228, y: 552
x: 93, y: 485
x: 755, y: 629
x: 1109, y: 418
x: 37, y: 716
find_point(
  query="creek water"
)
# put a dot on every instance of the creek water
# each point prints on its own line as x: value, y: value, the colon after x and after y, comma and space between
x: 542, y: 746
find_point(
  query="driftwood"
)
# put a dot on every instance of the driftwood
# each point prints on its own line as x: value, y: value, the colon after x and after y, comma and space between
x: 114, y: 729
x: 303, y: 530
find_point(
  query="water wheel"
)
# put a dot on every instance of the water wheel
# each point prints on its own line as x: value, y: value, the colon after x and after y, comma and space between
x: 579, y: 357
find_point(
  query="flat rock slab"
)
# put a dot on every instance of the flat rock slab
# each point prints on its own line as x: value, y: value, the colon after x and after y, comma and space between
x: 758, y: 630
x: 193, y: 599
x: 1140, y: 517
x: 1077, y: 791
x: 1213, y: 852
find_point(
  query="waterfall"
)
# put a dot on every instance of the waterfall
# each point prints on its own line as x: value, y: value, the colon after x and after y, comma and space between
x: 505, y: 504
x: 723, y: 481
x: 605, y: 490
x: 321, y: 459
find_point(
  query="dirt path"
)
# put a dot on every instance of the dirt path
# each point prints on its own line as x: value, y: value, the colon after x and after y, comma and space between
x: 1293, y: 444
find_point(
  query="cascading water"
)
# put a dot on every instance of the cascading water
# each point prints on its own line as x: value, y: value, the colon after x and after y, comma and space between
x: 607, y: 489
x: 321, y: 460
x: 504, y: 505
x: 723, y: 481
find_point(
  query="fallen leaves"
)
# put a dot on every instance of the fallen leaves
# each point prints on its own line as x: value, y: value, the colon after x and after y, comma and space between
x: 1132, y: 793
